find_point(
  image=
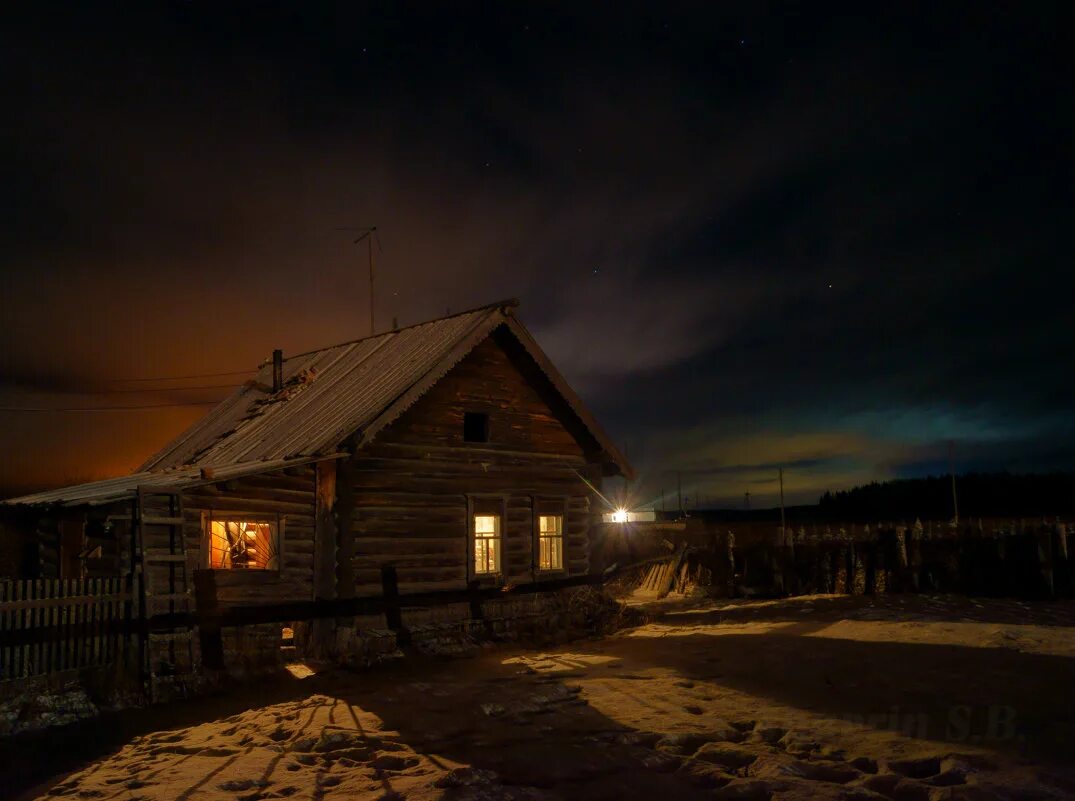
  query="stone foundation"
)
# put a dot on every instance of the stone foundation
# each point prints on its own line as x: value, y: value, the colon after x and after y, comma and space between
x: 254, y: 649
x: 537, y: 618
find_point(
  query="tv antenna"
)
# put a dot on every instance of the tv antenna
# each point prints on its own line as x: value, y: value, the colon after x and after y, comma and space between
x: 368, y: 234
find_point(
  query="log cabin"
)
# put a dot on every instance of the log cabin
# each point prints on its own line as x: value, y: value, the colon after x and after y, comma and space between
x: 451, y: 452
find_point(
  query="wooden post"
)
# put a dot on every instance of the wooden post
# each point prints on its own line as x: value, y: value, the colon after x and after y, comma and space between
x: 390, y: 591
x: 211, y: 639
x: 325, y: 532
x: 952, y: 473
x: 345, y: 537
x: 782, y: 529
x: 324, y: 584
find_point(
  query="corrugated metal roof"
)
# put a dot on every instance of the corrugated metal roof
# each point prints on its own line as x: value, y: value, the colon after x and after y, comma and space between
x: 328, y: 395
x: 116, y: 489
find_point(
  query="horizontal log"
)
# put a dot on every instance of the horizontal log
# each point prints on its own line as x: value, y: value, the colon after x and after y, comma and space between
x: 404, y: 528
x: 361, y: 466
x: 413, y: 575
x: 264, y: 493
x: 372, y: 543
x: 277, y: 593
x: 490, y: 483
x: 254, y: 506
x: 449, y: 452
x: 376, y: 561
x: 294, y: 544
x: 401, y: 514
x: 372, y: 498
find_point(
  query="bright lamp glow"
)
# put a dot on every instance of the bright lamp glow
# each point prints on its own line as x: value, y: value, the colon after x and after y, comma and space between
x: 619, y: 516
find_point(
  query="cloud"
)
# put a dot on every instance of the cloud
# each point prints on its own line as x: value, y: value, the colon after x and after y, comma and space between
x: 179, y: 177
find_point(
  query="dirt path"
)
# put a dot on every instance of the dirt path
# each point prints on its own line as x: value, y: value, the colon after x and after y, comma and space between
x: 812, y: 698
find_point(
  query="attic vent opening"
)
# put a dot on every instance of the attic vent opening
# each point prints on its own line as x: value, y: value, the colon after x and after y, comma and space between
x: 475, y: 427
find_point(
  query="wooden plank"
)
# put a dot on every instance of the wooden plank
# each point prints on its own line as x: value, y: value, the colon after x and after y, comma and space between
x: 5, y: 623
x: 40, y: 657
x: 47, y: 599
x: 20, y: 623
x: 155, y: 556
x: 69, y: 624
x: 162, y: 521
x: 106, y: 620
x: 76, y: 620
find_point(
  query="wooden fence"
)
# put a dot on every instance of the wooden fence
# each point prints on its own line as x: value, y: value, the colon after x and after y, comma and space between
x: 73, y: 623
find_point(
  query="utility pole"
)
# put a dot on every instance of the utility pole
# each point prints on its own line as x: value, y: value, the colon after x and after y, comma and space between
x: 952, y: 473
x: 783, y: 530
x: 746, y: 496
x: 679, y: 491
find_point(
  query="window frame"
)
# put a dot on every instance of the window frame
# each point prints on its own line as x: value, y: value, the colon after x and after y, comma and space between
x: 481, y: 504
x: 548, y: 507
x: 226, y: 516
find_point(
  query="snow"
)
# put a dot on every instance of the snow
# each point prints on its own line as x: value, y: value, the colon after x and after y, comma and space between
x: 820, y: 698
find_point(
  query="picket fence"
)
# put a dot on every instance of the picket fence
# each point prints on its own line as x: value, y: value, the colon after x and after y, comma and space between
x: 75, y: 623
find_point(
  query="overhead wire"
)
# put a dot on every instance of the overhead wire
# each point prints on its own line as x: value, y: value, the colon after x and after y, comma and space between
x: 104, y: 408
x: 175, y: 377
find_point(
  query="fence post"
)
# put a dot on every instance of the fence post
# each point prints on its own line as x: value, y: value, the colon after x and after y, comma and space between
x: 390, y: 592
x: 476, y: 612
x: 211, y: 638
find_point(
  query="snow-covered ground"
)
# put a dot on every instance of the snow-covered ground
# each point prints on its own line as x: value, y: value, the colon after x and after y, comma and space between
x: 822, y: 697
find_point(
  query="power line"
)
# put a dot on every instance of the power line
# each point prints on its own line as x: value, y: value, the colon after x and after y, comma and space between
x: 104, y: 408
x: 176, y: 377
x: 146, y: 389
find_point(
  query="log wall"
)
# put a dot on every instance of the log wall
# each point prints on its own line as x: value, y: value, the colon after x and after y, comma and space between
x: 414, y: 486
x: 289, y: 495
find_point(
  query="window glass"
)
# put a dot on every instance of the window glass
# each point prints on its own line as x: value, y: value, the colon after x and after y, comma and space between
x: 486, y: 544
x: 550, y: 542
x: 244, y: 544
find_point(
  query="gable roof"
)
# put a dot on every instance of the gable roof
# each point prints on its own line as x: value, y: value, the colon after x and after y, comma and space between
x: 354, y: 388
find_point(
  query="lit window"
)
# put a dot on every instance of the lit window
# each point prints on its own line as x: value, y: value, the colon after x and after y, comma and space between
x: 486, y: 544
x: 244, y: 545
x: 550, y: 542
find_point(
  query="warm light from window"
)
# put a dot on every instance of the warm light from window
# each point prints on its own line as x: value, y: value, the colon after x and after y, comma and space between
x: 550, y: 542
x: 243, y: 545
x: 486, y: 544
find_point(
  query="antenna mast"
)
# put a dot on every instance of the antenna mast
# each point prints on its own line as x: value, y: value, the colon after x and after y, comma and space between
x: 369, y: 234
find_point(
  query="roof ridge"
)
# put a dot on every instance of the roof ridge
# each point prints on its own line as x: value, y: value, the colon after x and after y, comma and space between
x: 500, y: 304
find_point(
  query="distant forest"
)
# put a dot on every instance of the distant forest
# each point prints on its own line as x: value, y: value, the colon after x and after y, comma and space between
x: 985, y: 495
x: 979, y: 494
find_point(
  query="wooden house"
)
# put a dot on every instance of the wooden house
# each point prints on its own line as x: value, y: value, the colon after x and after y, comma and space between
x: 451, y: 452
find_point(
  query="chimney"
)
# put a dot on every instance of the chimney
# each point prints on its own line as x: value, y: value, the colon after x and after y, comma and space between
x: 277, y: 370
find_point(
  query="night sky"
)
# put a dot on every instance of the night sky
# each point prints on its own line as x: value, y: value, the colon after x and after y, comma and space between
x: 811, y: 239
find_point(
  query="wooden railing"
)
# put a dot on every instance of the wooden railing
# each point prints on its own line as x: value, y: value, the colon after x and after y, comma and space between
x: 53, y: 625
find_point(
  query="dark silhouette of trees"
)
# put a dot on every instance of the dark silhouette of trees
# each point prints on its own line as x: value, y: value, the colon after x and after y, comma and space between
x: 980, y: 495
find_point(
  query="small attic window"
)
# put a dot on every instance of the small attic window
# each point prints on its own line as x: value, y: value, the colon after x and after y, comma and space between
x: 475, y: 427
